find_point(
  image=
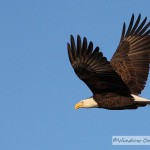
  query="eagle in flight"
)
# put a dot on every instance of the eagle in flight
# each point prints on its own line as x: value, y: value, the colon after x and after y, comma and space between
x: 115, y: 84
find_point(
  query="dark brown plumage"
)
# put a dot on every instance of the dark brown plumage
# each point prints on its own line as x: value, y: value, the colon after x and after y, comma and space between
x: 112, y: 83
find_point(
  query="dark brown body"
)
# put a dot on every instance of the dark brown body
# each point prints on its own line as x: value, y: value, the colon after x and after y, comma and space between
x: 114, y: 102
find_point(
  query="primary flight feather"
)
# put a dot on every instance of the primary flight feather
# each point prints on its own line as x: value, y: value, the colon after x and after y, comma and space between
x: 116, y: 84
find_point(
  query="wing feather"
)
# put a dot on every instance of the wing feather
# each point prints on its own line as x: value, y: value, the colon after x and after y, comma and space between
x: 93, y: 68
x: 132, y: 57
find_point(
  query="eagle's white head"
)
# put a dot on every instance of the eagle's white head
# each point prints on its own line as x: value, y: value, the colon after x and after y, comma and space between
x: 86, y: 103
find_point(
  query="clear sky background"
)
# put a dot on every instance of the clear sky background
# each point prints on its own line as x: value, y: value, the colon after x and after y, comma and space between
x: 38, y: 88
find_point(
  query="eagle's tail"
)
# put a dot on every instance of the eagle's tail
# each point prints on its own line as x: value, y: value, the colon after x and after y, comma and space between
x: 140, y: 100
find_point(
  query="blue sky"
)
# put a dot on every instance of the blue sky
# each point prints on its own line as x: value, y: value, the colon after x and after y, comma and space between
x: 38, y: 88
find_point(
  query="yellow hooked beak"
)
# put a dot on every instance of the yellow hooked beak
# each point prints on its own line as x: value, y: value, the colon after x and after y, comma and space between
x: 78, y: 105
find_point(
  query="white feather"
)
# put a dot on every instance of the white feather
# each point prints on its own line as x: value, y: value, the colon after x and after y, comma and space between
x: 89, y: 103
x: 140, y: 99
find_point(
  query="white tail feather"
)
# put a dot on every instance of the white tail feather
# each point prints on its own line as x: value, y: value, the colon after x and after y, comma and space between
x: 140, y: 99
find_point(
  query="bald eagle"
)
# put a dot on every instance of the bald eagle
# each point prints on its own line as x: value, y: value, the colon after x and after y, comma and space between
x: 115, y: 84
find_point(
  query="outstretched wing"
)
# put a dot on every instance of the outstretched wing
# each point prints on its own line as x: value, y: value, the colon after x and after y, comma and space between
x: 94, y: 69
x: 132, y: 57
